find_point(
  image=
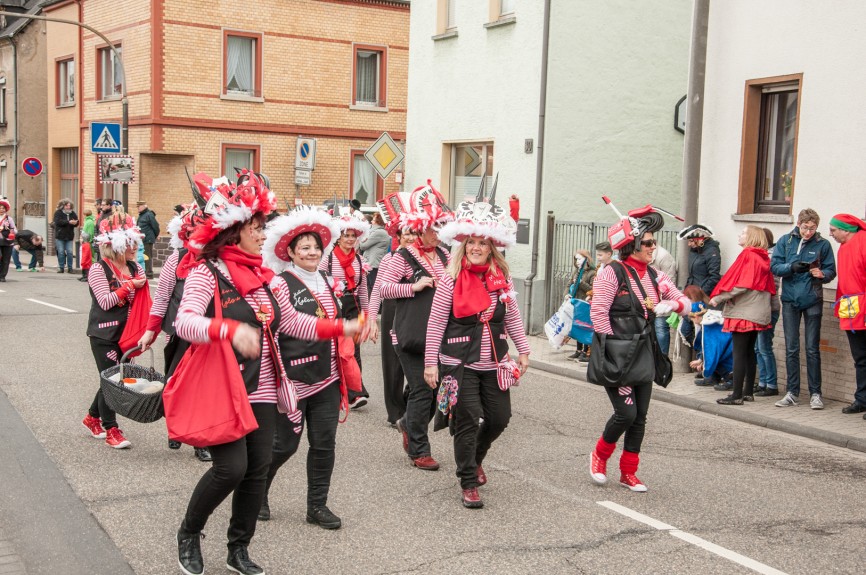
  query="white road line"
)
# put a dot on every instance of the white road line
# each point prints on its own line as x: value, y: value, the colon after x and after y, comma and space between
x: 51, y: 305
x: 693, y: 539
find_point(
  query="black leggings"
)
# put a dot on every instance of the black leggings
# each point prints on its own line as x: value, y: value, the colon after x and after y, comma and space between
x: 630, y: 406
x: 106, y: 354
x: 322, y: 413
x: 745, y: 362
x: 392, y: 372
x: 240, y: 467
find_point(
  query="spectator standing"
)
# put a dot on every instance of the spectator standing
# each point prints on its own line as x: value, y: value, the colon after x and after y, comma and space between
x: 581, y: 288
x: 767, y: 376
x: 31, y: 243
x: 850, y: 308
x: 7, y: 237
x: 705, y: 264
x: 374, y: 247
x: 65, y: 221
x: 804, y: 260
x: 150, y: 228
x: 603, y: 256
x: 663, y: 261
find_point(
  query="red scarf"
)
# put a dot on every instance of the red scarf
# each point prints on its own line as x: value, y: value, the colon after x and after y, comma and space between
x: 751, y: 270
x: 470, y: 295
x: 347, y: 261
x: 639, y: 266
x: 245, y: 269
x: 186, y: 265
x: 422, y: 249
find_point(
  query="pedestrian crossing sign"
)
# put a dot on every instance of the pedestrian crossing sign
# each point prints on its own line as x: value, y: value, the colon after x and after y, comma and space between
x: 104, y: 138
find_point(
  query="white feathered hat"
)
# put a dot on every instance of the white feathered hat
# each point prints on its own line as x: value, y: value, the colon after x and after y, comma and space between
x: 280, y: 232
x: 121, y: 239
x: 348, y: 220
x: 483, y: 219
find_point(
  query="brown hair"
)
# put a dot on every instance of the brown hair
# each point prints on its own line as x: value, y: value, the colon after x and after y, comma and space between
x: 769, y: 234
x: 696, y: 294
x: 808, y: 215
x: 230, y: 236
x: 755, y: 237
x: 377, y: 219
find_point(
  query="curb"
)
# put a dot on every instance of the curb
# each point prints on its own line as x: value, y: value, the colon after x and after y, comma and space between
x: 785, y: 426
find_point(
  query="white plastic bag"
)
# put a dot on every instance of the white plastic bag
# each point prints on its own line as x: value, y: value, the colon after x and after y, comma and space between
x: 558, y: 327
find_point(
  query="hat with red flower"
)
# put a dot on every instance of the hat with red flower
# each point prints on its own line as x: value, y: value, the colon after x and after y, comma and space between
x: 280, y: 232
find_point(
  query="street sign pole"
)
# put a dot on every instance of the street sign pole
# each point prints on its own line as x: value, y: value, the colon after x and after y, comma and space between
x: 124, y: 146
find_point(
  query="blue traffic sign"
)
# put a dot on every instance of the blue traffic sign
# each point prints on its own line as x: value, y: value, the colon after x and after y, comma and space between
x: 104, y: 138
x: 305, y: 150
x: 32, y: 166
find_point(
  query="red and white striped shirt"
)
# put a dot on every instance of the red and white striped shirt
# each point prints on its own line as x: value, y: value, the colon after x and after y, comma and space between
x: 604, y: 291
x: 339, y: 275
x: 302, y: 326
x: 164, y: 289
x: 105, y: 296
x: 376, y: 294
x: 439, y: 315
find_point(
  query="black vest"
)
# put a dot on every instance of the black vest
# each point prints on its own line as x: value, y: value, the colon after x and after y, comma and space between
x: 412, y: 314
x: 306, y: 361
x: 351, y: 308
x: 235, y: 307
x: 174, y: 301
x: 626, y: 311
x: 462, y: 339
x: 108, y: 324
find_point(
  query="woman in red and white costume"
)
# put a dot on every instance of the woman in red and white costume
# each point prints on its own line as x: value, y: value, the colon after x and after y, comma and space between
x: 349, y: 268
x: 410, y: 280
x: 474, y: 312
x: 229, y: 246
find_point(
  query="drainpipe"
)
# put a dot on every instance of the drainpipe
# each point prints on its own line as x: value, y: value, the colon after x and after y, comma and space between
x: 15, y: 142
x: 694, y: 131
x: 539, y: 165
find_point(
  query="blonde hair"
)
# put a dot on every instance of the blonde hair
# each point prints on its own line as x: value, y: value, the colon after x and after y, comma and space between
x: 755, y: 237
x: 456, y: 263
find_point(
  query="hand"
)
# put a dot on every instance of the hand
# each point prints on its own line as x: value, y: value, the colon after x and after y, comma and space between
x: 246, y: 341
x: 146, y: 340
x: 697, y: 365
x: 799, y: 267
x: 714, y: 302
x: 16, y: 247
x: 139, y: 283
x: 423, y: 283
x: 374, y: 331
x: 73, y: 222
x: 663, y: 308
x: 523, y: 362
x: 431, y: 376
x: 364, y: 335
x: 817, y: 273
x: 513, y: 197
x: 351, y: 327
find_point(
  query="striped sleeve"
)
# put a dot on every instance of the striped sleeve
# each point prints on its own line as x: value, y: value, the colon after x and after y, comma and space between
x: 191, y: 324
x: 105, y: 296
x: 363, y: 296
x: 164, y: 289
x: 514, y: 324
x: 390, y: 280
x: 439, y: 314
x: 671, y: 293
x: 376, y: 295
x: 603, y: 293
x: 292, y: 322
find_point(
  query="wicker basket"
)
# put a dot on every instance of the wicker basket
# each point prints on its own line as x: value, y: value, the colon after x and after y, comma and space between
x: 140, y: 407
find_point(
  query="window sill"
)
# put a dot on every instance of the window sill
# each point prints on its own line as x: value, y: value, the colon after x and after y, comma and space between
x: 69, y: 105
x: 365, y: 108
x: 242, y: 98
x: 764, y: 218
x: 452, y: 33
x: 503, y: 21
x: 110, y: 99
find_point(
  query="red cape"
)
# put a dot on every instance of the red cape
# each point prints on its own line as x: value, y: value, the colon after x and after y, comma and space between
x: 751, y: 270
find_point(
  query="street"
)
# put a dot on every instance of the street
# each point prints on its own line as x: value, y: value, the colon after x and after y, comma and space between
x: 724, y: 496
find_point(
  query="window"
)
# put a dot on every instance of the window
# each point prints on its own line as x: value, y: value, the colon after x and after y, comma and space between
x: 69, y: 173
x: 451, y: 20
x: 506, y: 7
x: 469, y: 163
x: 66, y: 82
x: 769, y: 149
x: 369, y: 77
x: 3, y: 186
x: 242, y: 70
x: 239, y: 156
x: 3, y: 103
x: 366, y: 185
x: 109, y: 73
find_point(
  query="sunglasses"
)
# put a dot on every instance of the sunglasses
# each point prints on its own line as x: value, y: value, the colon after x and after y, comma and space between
x: 648, y: 243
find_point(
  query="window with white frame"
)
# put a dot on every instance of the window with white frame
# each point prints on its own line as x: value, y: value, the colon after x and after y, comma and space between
x: 506, y: 7
x: 69, y: 173
x: 110, y: 73
x: 365, y: 181
x: 368, y: 78
x: 66, y: 82
x: 469, y: 164
x: 241, y: 75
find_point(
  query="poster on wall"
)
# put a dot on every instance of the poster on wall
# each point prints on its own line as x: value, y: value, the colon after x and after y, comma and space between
x: 116, y: 169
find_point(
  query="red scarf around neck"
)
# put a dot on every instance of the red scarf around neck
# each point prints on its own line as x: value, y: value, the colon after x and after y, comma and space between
x: 245, y: 269
x: 347, y: 261
x: 470, y: 295
x: 422, y: 249
x: 639, y: 266
x: 186, y: 265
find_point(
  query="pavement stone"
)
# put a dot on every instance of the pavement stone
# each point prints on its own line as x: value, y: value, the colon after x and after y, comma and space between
x: 828, y: 425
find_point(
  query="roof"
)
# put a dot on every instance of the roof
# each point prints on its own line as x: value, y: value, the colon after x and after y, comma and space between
x: 15, y: 25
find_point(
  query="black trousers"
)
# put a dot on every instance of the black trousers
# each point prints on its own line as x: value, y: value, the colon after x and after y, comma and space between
x: 148, y: 260
x: 106, y: 354
x: 321, y: 413
x: 240, y: 468
x: 630, y: 407
x: 5, y: 258
x: 857, y: 342
x: 745, y: 362
x: 479, y: 397
x: 173, y: 352
x: 420, y: 406
x: 392, y: 371
x: 352, y: 311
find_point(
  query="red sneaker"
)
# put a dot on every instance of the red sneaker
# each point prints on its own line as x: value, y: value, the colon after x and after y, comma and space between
x: 114, y: 438
x: 94, y: 426
x: 471, y: 499
x: 597, y: 468
x: 426, y: 463
x: 632, y: 482
x: 482, y: 477
x: 405, y: 435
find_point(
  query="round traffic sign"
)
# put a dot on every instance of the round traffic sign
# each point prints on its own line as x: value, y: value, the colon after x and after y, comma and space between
x: 305, y: 150
x: 32, y: 166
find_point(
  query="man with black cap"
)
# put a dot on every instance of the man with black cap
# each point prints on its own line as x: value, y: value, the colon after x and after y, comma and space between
x: 705, y: 271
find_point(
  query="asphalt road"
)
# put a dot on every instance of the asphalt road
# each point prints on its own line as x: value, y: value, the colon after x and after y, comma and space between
x: 724, y: 497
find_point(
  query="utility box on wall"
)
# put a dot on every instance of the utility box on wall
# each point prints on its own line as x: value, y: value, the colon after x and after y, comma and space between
x: 523, y: 231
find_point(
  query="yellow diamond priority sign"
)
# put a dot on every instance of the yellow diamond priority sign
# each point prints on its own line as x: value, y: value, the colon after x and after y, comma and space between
x: 385, y: 155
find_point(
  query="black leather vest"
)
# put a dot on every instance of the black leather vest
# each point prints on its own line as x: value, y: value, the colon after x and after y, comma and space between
x: 412, y: 314
x: 462, y: 339
x: 108, y: 324
x: 174, y: 301
x: 306, y: 361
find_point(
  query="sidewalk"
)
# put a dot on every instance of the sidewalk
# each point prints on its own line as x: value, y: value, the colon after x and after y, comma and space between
x: 829, y: 425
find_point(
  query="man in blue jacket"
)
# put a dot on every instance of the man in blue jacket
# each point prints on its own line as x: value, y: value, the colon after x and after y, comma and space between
x: 804, y: 260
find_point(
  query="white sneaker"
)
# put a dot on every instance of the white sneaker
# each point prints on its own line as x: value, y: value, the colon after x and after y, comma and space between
x: 789, y: 400
x: 815, y: 402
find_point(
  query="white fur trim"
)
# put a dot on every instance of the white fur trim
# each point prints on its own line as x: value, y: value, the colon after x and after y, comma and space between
x: 281, y: 226
x: 120, y: 239
x: 173, y: 229
x: 352, y: 222
x: 231, y: 215
x: 453, y: 233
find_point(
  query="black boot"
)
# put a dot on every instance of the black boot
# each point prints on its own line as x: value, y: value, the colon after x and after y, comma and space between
x: 239, y: 561
x: 322, y: 516
x: 203, y: 454
x: 189, y: 553
x: 83, y: 277
x: 172, y: 444
x: 265, y: 511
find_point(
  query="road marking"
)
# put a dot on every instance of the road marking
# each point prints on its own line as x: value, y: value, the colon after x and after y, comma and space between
x: 693, y: 539
x: 52, y: 305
